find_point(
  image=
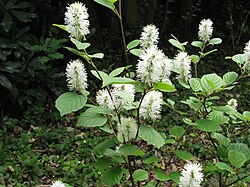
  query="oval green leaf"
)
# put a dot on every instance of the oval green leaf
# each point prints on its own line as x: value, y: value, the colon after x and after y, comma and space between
x: 70, y: 102
x: 112, y: 176
x: 177, y: 131
x: 236, y: 158
x: 184, y: 155
x: 140, y: 175
x: 133, y: 44
x: 150, y: 135
x: 224, y: 166
x: 208, y: 125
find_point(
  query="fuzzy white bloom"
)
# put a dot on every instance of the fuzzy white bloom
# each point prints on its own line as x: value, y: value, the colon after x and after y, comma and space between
x: 246, y: 66
x: 103, y: 99
x: 128, y: 88
x: 191, y: 175
x: 57, y: 184
x: 127, y: 129
x: 149, y: 36
x: 166, y: 67
x: 120, y: 95
x: 151, y: 105
x: 182, y: 64
x: 153, y: 66
x: 76, y: 20
x: 233, y: 103
x: 205, y: 30
x: 247, y: 49
x: 123, y: 94
x: 76, y: 75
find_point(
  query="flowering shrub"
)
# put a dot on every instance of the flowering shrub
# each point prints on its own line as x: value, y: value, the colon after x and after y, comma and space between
x: 128, y: 107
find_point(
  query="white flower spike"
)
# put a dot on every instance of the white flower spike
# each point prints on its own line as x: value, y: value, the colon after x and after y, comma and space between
x: 205, y: 30
x: 127, y: 129
x: 151, y: 105
x: 103, y: 99
x: 233, y: 103
x: 246, y: 66
x: 182, y: 64
x: 153, y: 66
x: 76, y: 20
x: 76, y: 75
x: 191, y: 175
x: 149, y: 36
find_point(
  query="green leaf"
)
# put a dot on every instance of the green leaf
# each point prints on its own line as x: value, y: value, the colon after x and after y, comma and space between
x: 195, y: 84
x: 241, y: 147
x: 221, y: 139
x: 97, y: 55
x: 215, y: 41
x: 224, y: 166
x: 230, y: 77
x: 184, y: 155
x: 247, y: 180
x: 193, y: 103
x: 106, y: 128
x: 195, y: 58
x: 209, y: 52
x: 211, y: 82
x: 236, y: 158
x: 104, y: 145
x: 150, y: 135
x: 208, y: 125
x: 103, y: 75
x: 113, y: 1
x: 106, y: 3
x: 133, y: 44
x: 183, y: 83
x: 218, y: 117
x: 239, y: 59
x: 164, y: 87
x: 136, y: 52
x: 127, y: 149
x: 246, y: 115
x: 149, y: 184
x: 67, y: 185
x: 7, y: 22
x: 112, y: 176
x: 177, y: 44
x: 160, y: 175
x: 116, y: 71
x: 79, y: 45
x: 140, y: 175
x: 99, y: 110
x: 102, y: 163
x: 70, y: 102
x: 171, y: 102
x: 4, y: 81
x: 175, y: 176
x: 63, y: 27
x: 75, y: 51
x: 91, y: 118
x: 152, y: 159
x: 170, y: 141
x: 117, y: 80
x: 177, y: 131
x: 198, y: 44
x: 226, y: 109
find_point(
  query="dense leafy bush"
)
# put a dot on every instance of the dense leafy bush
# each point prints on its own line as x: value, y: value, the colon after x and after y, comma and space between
x: 130, y: 101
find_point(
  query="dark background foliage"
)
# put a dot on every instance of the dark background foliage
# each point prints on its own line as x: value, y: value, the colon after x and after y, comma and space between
x: 32, y: 60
